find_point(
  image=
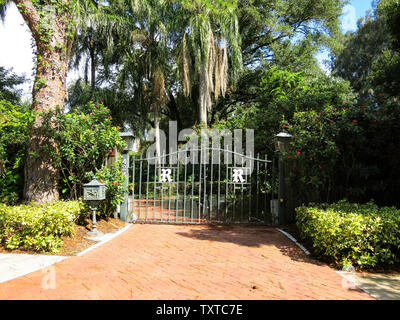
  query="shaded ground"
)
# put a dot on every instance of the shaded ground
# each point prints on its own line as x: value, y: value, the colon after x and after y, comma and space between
x: 187, y: 262
x: 190, y: 210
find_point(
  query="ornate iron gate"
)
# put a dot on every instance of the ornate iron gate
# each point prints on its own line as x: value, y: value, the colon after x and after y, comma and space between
x: 201, y: 193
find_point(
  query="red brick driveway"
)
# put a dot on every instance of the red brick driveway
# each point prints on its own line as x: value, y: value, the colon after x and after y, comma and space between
x: 186, y: 262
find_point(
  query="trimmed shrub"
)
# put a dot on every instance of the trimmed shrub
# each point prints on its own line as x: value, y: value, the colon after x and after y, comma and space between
x: 39, y: 227
x: 363, y: 235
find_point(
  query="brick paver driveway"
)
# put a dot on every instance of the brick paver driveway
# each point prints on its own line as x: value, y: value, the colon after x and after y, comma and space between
x: 187, y: 262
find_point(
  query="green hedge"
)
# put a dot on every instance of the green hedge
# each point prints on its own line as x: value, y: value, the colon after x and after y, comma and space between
x: 363, y: 235
x: 39, y: 227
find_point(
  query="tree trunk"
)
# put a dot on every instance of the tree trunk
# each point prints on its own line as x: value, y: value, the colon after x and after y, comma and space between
x: 174, y: 112
x: 203, y: 95
x: 48, y: 96
x: 93, y: 66
x: 157, y: 134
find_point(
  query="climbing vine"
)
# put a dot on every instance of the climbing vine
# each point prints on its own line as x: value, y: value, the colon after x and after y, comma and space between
x: 52, y: 25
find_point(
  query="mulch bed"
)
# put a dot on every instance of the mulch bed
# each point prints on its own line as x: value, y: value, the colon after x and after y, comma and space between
x: 78, y: 242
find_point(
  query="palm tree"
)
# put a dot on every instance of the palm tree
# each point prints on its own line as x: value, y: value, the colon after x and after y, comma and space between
x: 96, y: 27
x: 142, y: 52
x: 208, y: 30
x: 86, y: 46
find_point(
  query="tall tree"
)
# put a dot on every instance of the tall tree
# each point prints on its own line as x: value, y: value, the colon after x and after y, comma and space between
x: 369, y: 41
x: 140, y: 52
x: 90, y: 41
x: 52, y: 26
x: 282, y: 34
x: 389, y: 10
x: 268, y: 26
x: 209, y: 29
x: 374, y: 71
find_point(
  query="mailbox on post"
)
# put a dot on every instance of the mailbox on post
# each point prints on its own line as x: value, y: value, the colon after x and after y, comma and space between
x: 93, y: 193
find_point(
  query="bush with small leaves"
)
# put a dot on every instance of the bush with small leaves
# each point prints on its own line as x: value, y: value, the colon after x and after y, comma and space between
x: 363, y: 235
x: 39, y: 227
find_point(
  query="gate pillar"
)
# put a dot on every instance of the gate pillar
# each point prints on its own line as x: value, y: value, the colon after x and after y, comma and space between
x: 125, y: 203
x: 129, y: 139
x: 282, y: 219
x: 282, y: 141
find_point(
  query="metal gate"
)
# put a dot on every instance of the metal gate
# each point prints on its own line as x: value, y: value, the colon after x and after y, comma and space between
x: 202, y: 193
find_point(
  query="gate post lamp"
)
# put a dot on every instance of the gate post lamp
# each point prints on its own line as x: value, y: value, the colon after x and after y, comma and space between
x: 282, y: 141
x: 94, y: 192
x: 129, y: 139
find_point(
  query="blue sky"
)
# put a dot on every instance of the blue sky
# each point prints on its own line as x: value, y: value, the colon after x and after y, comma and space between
x: 353, y: 11
x: 17, y: 52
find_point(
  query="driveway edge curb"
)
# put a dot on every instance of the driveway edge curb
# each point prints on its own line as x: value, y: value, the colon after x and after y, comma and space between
x: 294, y: 240
x: 113, y: 235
